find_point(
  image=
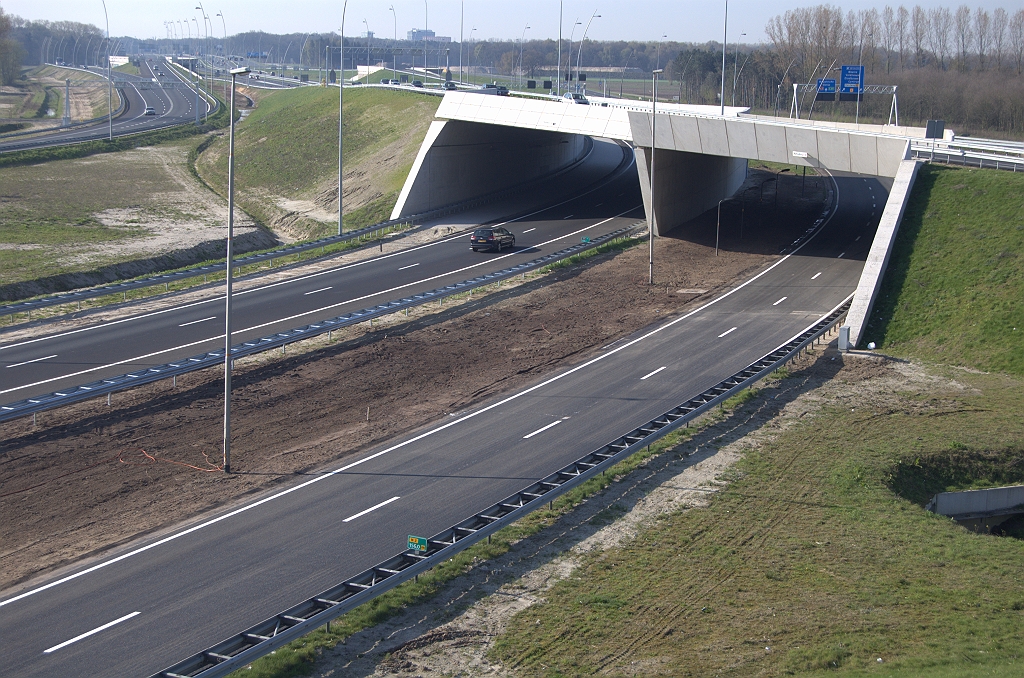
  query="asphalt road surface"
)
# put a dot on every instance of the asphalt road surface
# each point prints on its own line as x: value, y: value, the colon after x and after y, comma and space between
x: 141, y: 611
x: 80, y: 356
x: 169, y: 96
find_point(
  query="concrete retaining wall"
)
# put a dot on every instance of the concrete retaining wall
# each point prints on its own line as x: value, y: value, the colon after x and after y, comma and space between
x: 881, y: 250
x: 686, y: 184
x: 461, y: 160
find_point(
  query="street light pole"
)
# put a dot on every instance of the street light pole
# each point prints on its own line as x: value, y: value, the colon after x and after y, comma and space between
x: 580, y: 53
x: 718, y: 227
x: 367, y: 56
x: 224, y: 26
x: 227, y: 296
x: 110, y: 92
x: 735, y: 75
x: 725, y: 39
x: 341, y: 101
x: 394, y: 65
x: 522, y: 45
x: 654, y: 143
x: 572, y: 34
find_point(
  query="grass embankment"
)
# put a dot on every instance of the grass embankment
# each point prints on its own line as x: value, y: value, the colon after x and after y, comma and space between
x: 286, y: 157
x: 954, y: 288
x: 818, y: 557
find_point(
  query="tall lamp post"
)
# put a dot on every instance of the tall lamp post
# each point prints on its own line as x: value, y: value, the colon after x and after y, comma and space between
x: 394, y: 55
x: 341, y: 101
x: 206, y: 41
x: 522, y: 45
x: 654, y: 143
x: 227, y: 296
x: 580, y: 53
x: 725, y: 39
x: 735, y: 74
x: 572, y: 33
x: 224, y: 26
x: 110, y: 92
x: 367, y: 54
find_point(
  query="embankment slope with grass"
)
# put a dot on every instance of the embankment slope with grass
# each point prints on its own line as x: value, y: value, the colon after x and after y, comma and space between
x: 818, y: 558
x: 286, y: 157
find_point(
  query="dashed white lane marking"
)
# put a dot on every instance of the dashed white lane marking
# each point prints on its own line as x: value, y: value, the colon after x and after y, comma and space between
x: 196, y: 322
x: 29, y: 362
x: 815, y: 276
x: 856, y: 239
x: 780, y: 301
x: 648, y: 376
x: 409, y: 266
x: 322, y: 289
x: 568, y: 217
x: 543, y: 428
x: 840, y: 255
x: 90, y: 633
x: 372, y: 508
x: 727, y: 332
x: 528, y: 230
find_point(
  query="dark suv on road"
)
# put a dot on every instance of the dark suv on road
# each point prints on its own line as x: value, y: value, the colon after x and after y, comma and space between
x: 491, y: 238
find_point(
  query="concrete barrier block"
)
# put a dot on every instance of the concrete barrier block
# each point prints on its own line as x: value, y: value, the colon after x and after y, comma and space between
x: 834, y: 150
x: 863, y: 154
x: 801, y: 146
x: 742, y: 139
x: 771, y: 143
x: 714, y: 140
x: 685, y: 134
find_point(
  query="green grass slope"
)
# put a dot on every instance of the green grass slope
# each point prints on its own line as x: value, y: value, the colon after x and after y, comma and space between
x: 818, y: 558
x: 286, y: 156
x: 955, y: 282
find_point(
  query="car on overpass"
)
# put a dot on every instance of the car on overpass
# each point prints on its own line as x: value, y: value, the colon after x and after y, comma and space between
x: 491, y: 239
x: 575, y: 98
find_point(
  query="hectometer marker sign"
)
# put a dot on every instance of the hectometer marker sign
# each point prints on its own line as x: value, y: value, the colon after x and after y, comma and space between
x: 417, y: 544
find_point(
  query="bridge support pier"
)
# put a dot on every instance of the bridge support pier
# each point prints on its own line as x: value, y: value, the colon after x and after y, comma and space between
x: 688, y: 184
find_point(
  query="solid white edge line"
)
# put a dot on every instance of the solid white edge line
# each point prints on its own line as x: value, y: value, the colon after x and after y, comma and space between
x: 727, y: 332
x: 543, y: 428
x: 426, y: 434
x: 91, y: 633
x: 369, y: 510
x: 648, y: 376
x: 780, y: 301
x: 35, y: 360
x: 298, y: 315
x: 196, y: 322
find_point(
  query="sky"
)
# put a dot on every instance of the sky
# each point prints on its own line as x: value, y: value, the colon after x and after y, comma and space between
x: 492, y: 19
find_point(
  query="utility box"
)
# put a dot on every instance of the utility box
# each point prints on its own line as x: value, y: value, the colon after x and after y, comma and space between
x: 935, y: 129
x: 844, y: 338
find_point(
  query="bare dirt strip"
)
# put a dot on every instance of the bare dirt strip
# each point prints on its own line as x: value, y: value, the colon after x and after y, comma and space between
x: 90, y: 477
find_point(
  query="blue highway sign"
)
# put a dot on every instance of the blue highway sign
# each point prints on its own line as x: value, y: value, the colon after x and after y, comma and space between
x: 852, y: 80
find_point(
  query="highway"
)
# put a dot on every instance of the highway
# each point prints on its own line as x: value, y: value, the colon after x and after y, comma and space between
x: 45, y: 364
x: 136, y: 613
x: 169, y: 95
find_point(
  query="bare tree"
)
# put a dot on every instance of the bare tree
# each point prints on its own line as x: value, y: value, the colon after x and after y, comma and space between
x: 902, y: 22
x: 941, y: 20
x: 982, y: 28
x: 888, y: 35
x: 870, y: 31
x: 1017, y: 38
x: 11, y: 52
x: 1000, y: 22
x: 964, y: 33
x: 919, y: 33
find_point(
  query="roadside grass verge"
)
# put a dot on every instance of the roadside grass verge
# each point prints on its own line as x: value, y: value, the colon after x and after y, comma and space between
x: 805, y: 564
x: 953, y: 289
x: 614, y: 245
x: 286, y: 157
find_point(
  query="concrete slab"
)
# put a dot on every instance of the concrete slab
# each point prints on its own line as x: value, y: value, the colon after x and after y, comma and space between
x: 714, y: 140
x: 834, y: 150
x: 802, y: 146
x: 863, y: 154
x: 771, y: 143
x: 742, y: 139
x: 686, y: 134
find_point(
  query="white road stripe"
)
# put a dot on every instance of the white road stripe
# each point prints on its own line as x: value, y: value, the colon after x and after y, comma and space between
x: 426, y: 434
x: 38, y: 359
x: 90, y: 633
x: 196, y: 322
x: 543, y: 428
x: 322, y: 289
x: 840, y: 255
x: 815, y: 276
x: 409, y: 266
x: 372, y: 508
x: 529, y: 230
x: 648, y: 376
x: 280, y: 320
x: 568, y: 217
x: 780, y: 301
x: 727, y: 332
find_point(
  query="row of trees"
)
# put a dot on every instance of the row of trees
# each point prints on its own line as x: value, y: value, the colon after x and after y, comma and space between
x: 10, y: 51
x: 899, y: 38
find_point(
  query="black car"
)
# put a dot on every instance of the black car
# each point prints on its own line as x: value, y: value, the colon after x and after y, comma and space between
x: 417, y: 83
x: 449, y: 85
x: 491, y: 238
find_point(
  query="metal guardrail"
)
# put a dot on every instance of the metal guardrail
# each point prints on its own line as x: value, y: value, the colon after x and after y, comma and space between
x: 93, y: 389
x: 167, y: 278
x: 969, y: 156
x: 270, y: 634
